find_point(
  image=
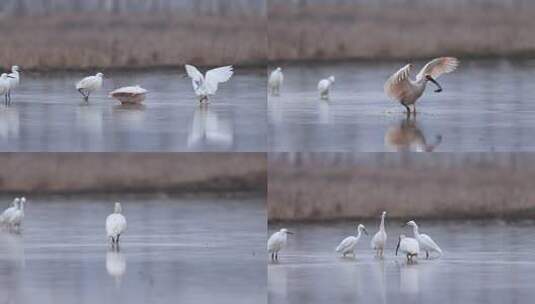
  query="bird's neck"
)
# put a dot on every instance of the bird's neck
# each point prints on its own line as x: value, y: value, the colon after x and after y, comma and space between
x: 382, y: 225
x: 415, y: 230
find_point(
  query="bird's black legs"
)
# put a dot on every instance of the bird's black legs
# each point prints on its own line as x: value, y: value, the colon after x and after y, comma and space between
x: 86, y: 97
x: 117, y: 241
x: 427, y: 255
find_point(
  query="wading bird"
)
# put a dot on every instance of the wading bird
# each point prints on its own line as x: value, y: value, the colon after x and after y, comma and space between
x: 426, y: 242
x: 14, y: 80
x: 379, y: 239
x: 276, y: 78
x: 129, y: 95
x: 6, y: 215
x: 4, y: 86
x: 349, y: 243
x: 406, y: 91
x: 276, y: 242
x: 205, y: 86
x: 89, y: 85
x: 115, y: 225
x: 409, y: 247
x: 324, y: 86
x: 16, y: 217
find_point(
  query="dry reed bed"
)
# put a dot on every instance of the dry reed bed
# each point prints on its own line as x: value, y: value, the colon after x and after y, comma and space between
x: 81, y: 41
x: 132, y: 172
x: 315, y: 191
x: 399, y: 31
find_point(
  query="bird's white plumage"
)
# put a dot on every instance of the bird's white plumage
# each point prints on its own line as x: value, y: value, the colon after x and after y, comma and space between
x: 348, y: 244
x: 17, y: 216
x: 4, y: 84
x: 90, y: 83
x: 378, y: 241
x: 205, y: 86
x: 277, y: 241
x: 6, y: 214
x: 14, y: 79
x: 115, y: 223
x: 324, y: 86
x: 408, y: 246
x: 426, y: 242
x: 275, y: 81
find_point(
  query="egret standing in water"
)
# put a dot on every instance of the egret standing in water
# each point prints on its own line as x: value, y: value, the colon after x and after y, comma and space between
x: 349, y: 243
x: 409, y: 247
x: 324, y: 87
x: 4, y: 86
x: 406, y: 91
x: 205, y: 86
x: 276, y: 242
x: 14, y: 80
x: 379, y: 239
x: 6, y: 215
x: 89, y: 85
x: 115, y: 225
x: 16, y: 217
x: 276, y: 78
x: 426, y: 242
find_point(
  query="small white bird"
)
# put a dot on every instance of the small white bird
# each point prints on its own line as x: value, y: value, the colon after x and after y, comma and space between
x: 115, y: 225
x: 6, y: 215
x: 276, y: 78
x: 379, y: 239
x: 14, y: 80
x: 16, y: 217
x: 205, y: 86
x: 426, y: 242
x: 276, y: 242
x: 402, y: 89
x: 129, y: 95
x: 4, y: 87
x: 349, y: 243
x: 409, y: 247
x: 89, y: 85
x: 324, y: 86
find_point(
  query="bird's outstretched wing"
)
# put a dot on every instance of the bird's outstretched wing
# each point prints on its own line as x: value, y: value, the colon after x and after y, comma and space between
x: 396, y: 85
x: 196, y: 77
x: 217, y: 76
x: 438, y: 66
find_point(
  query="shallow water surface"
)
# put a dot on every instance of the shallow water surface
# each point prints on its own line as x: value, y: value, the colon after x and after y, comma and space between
x: 483, y: 262
x: 485, y: 106
x: 48, y: 114
x: 175, y: 250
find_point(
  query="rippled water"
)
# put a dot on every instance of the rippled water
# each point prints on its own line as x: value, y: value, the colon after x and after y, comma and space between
x: 485, y: 106
x: 48, y: 114
x: 483, y: 262
x: 175, y: 250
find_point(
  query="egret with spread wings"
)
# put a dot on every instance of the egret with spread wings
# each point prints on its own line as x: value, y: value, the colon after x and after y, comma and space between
x: 205, y: 86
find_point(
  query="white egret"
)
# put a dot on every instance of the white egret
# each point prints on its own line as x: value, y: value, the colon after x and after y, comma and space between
x: 324, y: 86
x: 14, y: 80
x: 379, y: 239
x: 6, y: 215
x: 276, y: 78
x: 4, y: 86
x: 276, y: 242
x: 16, y: 217
x: 349, y: 243
x: 205, y: 86
x: 407, y: 91
x: 115, y: 225
x: 408, y: 246
x: 89, y: 85
x: 426, y: 242
x: 129, y: 95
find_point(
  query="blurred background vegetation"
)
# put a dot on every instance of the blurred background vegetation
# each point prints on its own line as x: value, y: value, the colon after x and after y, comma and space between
x: 399, y: 29
x: 323, y: 186
x: 180, y: 173
x: 83, y: 34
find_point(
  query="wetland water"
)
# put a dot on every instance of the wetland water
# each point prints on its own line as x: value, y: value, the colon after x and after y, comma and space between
x: 486, y: 105
x: 483, y: 262
x: 48, y: 114
x: 175, y: 250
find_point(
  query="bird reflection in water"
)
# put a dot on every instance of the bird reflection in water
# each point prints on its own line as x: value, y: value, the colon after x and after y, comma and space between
x: 208, y: 129
x: 115, y: 265
x: 409, y: 279
x: 407, y: 136
x: 9, y: 123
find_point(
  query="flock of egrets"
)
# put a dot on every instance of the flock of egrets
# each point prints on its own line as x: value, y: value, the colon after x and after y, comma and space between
x: 400, y: 87
x: 203, y: 85
x: 11, y: 220
x: 410, y: 247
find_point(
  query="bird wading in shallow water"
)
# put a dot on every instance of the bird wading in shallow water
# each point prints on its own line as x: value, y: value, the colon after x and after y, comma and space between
x: 409, y: 247
x: 324, y: 87
x: 349, y: 243
x: 276, y: 242
x: 115, y: 225
x: 426, y: 242
x: 407, y: 91
x: 205, y: 86
x: 5, y: 86
x: 379, y: 239
x: 14, y: 80
x: 276, y: 78
x: 89, y: 85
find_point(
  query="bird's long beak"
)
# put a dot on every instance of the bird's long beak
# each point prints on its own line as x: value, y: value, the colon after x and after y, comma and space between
x: 397, y: 247
x: 365, y: 231
x: 10, y: 77
x: 439, y: 88
x: 289, y: 232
